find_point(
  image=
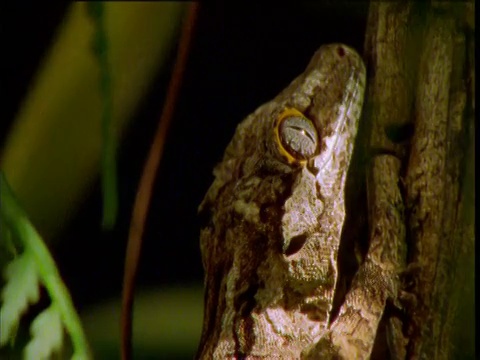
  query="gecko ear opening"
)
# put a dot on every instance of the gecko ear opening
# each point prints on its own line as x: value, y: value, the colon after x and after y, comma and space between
x: 296, y: 244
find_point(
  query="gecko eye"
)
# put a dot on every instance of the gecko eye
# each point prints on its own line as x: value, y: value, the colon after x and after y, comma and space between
x: 296, y: 136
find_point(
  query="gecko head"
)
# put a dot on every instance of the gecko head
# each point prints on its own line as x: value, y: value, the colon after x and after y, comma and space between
x: 276, y: 207
x: 288, y: 160
x: 314, y: 122
x: 315, y: 119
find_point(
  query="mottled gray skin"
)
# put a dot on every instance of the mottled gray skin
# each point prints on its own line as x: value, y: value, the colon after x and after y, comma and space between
x: 270, y: 247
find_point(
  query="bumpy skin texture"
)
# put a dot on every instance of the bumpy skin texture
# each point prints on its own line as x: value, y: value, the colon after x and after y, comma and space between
x: 270, y: 247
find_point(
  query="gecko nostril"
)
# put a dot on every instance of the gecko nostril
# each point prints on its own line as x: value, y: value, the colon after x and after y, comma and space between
x: 295, y: 244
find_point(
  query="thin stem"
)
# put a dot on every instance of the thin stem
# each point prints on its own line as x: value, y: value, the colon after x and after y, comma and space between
x: 144, y: 191
x: 96, y: 11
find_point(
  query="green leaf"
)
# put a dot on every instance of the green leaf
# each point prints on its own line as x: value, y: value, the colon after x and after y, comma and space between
x: 36, y: 264
x: 47, y: 335
x: 21, y: 289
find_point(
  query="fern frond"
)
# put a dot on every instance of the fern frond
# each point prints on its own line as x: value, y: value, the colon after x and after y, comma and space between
x: 47, y: 335
x: 21, y: 289
x: 24, y: 274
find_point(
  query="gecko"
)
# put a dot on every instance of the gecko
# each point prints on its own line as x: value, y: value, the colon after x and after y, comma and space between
x: 274, y: 217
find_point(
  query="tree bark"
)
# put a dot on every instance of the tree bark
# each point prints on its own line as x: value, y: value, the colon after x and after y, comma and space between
x: 421, y: 109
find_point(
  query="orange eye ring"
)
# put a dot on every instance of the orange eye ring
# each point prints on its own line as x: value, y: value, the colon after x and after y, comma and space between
x: 296, y: 136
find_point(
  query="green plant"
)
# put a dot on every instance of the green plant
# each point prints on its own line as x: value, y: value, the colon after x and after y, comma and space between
x: 26, y: 272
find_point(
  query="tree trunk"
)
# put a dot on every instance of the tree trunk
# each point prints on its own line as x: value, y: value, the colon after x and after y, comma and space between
x: 420, y: 106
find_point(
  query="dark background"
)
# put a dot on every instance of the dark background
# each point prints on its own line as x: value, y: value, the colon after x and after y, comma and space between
x: 243, y: 54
